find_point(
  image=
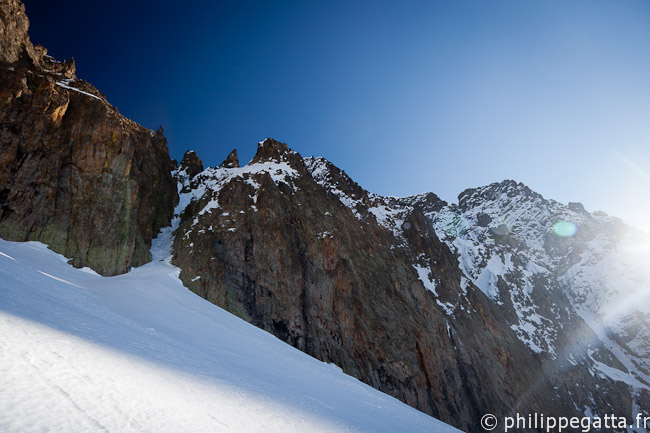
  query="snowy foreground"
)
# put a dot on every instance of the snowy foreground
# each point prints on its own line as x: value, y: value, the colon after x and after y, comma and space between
x: 141, y: 353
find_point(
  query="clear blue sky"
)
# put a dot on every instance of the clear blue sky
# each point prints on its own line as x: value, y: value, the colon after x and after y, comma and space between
x: 405, y: 96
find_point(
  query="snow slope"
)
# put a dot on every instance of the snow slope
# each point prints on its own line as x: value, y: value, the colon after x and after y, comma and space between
x: 141, y: 353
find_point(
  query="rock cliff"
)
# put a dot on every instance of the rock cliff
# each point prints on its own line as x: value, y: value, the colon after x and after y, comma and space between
x: 74, y: 173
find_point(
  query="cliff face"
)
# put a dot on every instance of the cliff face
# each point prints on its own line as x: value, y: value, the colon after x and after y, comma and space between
x: 457, y: 310
x: 74, y: 173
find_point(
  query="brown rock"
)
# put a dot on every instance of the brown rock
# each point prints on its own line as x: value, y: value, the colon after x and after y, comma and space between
x: 231, y: 161
x: 191, y: 164
x: 74, y: 173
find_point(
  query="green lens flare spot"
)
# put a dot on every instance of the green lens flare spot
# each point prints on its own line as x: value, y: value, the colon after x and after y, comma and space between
x: 565, y: 229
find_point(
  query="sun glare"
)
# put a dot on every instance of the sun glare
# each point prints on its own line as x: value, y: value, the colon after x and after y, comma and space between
x: 566, y: 229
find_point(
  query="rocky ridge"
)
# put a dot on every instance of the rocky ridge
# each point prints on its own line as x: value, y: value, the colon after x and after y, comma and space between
x: 444, y: 306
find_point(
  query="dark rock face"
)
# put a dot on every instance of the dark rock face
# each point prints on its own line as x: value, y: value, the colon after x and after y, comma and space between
x: 17, y: 49
x: 74, y: 173
x: 483, y: 220
x: 577, y: 207
x: 231, y: 161
x: 297, y: 248
x: 191, y: 164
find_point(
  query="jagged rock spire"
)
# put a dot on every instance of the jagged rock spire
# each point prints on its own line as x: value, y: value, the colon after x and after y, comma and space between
x: 191, y: 163
x: 231, y: 161
x: 271, y: 150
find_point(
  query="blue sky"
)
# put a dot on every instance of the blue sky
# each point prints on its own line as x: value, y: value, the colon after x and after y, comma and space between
x: 405, y: 96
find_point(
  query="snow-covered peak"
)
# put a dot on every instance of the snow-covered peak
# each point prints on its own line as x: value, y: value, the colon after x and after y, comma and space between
x: 494, y: 191
x: 388, y: 212
x: 339, y: 183
x: 518, y: 247
x: 333, y: 178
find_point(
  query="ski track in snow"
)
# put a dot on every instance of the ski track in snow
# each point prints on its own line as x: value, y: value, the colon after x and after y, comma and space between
x: 141, y: 353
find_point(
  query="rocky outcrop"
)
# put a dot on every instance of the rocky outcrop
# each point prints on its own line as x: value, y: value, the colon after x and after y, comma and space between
x: 14, y: 40
x: 191, y: 164
x: 74, y: 173
x: 16, y: 47
x: 231, y: 161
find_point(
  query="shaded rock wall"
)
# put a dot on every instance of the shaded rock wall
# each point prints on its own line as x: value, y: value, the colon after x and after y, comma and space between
x: 74, y: 173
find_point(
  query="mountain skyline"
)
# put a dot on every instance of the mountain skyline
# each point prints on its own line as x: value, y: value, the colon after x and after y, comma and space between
x: 423, y: 97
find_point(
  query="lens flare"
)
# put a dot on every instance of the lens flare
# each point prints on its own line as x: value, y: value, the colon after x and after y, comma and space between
x: 566, y: 229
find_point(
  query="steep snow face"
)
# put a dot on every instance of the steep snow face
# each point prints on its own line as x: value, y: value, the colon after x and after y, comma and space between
x: 499, y: 234
x: 609, y: 286
x: 549, y: 267
x: 513, y: 245
x: 139, y: 352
